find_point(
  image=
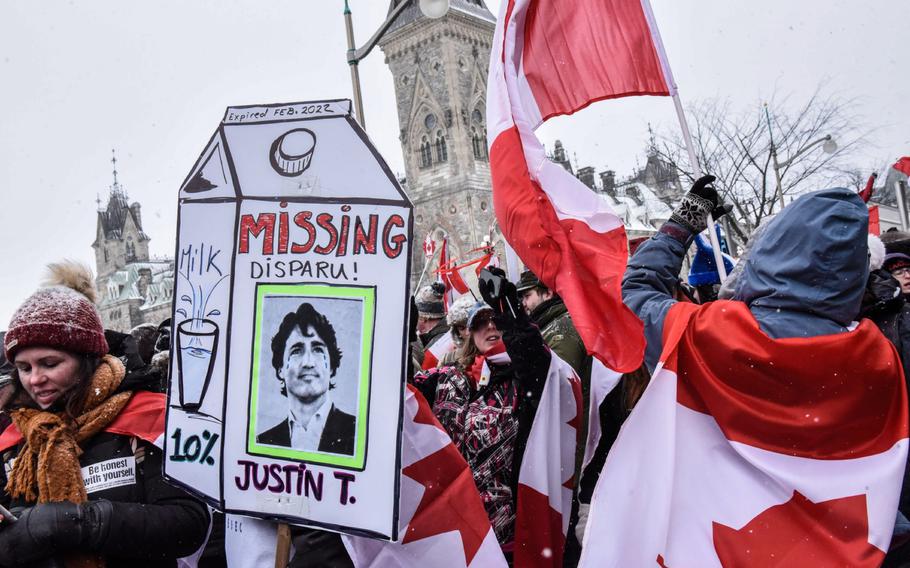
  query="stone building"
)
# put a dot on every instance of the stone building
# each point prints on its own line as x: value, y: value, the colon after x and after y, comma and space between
x: 439, y: 69
x: 440, y: 73
x: 132, y: 287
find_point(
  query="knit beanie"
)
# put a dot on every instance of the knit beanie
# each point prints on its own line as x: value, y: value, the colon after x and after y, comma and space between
x: 429, y: 301
x: 59, y: 317
x: 896, y: 260
x: 704, y: 268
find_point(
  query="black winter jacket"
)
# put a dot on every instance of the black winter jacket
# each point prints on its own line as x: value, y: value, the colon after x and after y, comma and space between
x: 154, y: 522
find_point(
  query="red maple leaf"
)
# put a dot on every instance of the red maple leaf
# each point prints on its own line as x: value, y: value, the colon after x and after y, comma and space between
x: 424, y: 414
x: 450, y: 501
x: 802, y: 533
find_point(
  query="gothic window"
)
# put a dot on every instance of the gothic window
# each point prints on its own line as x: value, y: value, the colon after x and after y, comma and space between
x: 426, y: 153
x: 106, y: 259
x: 479, y: 143
x: 429, y: 121
x: 442, y: 154
x: 478, y: 135
x: 130, y: 252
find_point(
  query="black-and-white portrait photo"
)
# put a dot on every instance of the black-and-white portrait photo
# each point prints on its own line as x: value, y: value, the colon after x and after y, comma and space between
x: 309, y: 374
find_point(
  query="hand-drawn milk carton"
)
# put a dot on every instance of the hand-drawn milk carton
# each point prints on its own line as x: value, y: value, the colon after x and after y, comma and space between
x: 290, y: 315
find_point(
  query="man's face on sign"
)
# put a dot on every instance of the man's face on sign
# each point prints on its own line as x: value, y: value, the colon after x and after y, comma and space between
x: 306, y: 369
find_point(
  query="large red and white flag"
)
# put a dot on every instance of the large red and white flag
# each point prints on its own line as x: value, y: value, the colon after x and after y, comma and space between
x: 553, y: 58
x: 546, y: 478
x: 443, y: 521
x: 752, y: 451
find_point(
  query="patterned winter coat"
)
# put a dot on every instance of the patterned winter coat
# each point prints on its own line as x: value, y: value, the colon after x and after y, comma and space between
x: 490, y: 424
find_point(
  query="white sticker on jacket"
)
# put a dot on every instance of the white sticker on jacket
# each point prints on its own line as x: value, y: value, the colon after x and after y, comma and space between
x: 109, y: 474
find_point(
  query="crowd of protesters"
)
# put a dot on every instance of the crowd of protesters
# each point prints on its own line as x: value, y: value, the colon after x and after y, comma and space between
x: 65, y: 380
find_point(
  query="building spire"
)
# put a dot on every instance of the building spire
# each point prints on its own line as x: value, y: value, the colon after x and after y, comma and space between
x: 114, y: 161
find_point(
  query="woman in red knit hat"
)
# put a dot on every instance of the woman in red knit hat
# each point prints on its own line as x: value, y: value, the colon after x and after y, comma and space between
x: 81, y: 471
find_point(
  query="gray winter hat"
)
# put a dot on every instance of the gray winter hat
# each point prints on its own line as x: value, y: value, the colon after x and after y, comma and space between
x: 459, y: 310
x: 429, y: 301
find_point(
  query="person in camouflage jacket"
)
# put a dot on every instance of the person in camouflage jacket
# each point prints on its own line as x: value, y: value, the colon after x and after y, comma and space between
x: 547, y: 310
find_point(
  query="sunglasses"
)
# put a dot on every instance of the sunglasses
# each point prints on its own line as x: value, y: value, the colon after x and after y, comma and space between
x: 481, y: 320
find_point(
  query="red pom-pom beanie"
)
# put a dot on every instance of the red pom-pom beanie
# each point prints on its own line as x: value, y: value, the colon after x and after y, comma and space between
x: 57, y: 317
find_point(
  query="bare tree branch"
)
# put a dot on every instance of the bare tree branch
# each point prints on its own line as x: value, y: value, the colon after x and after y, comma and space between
x: 736, y: 147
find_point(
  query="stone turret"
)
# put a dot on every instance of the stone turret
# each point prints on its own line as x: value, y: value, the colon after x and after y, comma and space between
x: 439, y: 69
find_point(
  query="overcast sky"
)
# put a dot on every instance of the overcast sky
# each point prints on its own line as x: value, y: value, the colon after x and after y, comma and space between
x: 152, y: 79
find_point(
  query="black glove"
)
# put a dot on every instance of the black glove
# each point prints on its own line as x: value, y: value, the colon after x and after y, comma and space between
x: 702, y: 199
x: 48, y: 529
x: 502, y: 296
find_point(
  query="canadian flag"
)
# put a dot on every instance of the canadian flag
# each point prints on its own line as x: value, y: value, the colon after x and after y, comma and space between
x: 429, y: 246
x: 546, y: 478
x: 553, y: 58
x: 443, y: 521
x: 450, y: 276
x: 436, y: 351
x: 752, y: 451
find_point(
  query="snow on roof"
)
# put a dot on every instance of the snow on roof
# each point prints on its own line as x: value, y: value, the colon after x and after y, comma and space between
x: 639, y: 207
x: 124, y: 284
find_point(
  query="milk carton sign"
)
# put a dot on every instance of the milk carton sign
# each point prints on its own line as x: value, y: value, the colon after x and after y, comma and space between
x: 290, y: 315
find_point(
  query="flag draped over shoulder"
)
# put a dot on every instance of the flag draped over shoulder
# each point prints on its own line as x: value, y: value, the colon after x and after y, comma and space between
x: 553, y: 58
x: 767, y: 452
x: 443, y: 521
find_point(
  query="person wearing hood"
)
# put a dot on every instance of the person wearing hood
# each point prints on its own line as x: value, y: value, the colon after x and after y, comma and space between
x: 799, y: 287
x: 487, y: 401
x: 80, y: 469
x: 804, y: 275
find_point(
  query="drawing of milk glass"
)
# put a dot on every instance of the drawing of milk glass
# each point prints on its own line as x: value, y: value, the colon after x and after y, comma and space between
x: 197, y: 345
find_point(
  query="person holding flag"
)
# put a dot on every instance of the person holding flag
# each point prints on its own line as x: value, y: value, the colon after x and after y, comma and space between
x: 487, y: 403
x: 762, y: 438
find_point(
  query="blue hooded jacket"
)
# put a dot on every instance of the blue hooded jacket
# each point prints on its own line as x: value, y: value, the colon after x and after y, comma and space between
x: 805, y: 275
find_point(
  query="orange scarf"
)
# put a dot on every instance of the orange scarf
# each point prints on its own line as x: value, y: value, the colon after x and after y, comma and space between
x: 47, y: 468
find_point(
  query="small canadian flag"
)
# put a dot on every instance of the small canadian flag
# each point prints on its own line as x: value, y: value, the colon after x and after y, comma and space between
x: 429, y: 246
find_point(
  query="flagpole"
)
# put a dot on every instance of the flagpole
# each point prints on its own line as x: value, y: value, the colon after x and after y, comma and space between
x: 424, y: 272
x: 684, y: 125
x: 696, y: 166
